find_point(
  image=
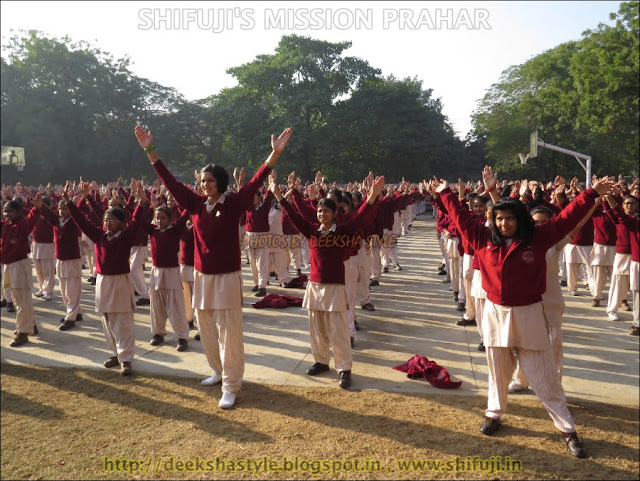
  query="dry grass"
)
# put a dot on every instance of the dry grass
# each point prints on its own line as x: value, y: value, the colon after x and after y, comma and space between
x: 62, y: 423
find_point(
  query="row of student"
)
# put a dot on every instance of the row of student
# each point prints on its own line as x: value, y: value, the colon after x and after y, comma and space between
x: 602, y: 244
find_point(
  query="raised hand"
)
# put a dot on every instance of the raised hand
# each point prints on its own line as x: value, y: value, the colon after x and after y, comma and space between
x: 439, y: 185
x: 145, y: 138
x: 603, y: 186
x: 524, y: 187
x: 489, y: 178
x: 376, y: 189
x: 281, y: 142
x: 37, y: 200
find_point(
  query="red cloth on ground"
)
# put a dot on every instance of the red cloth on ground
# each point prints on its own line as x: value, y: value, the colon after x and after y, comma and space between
x: 297, y: 282
x: 420, y: 367
x: 278, y: 302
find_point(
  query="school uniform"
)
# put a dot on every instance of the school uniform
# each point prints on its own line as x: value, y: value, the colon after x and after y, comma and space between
x: 633, y: 226
x: 621, y: 267
x: 217, y: 288
x: 69, y: 263
x: 326, y: 296
x: 114, y: 296
x: 165, y: 283
x: 293, y: 241
x: 278, y: 254
x: 186, y: 270
x: 514, y: 316
x: 16, y: 266
x: 257, y: 232
x: 44, y: 257
x: 604, y: 249
x: 138, y: 254
x: 577, y: 254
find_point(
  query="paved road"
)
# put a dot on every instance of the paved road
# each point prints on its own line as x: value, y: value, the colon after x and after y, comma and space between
x: 415, y: 314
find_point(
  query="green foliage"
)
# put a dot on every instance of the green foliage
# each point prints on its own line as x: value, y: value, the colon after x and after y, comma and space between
x: 580, y: 95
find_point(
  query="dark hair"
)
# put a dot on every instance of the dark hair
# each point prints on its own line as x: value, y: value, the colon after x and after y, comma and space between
x: 525, y: 222
x: 118, y: 213
x: 220, y: 174
x: 633, y: 198
x: 330, y: 203
x: 13, y: 205
x: 358, y: 194
x: 166, y: 210
x: 47, y: 200
x: 541, y: 209
x: 337, y: 193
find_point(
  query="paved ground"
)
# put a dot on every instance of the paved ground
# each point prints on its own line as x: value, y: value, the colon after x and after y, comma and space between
x: 415, y: 314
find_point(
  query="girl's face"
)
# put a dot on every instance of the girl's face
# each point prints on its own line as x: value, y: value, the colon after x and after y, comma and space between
x: 209, y: 184
x: 479, y: 208
x: 345, y: 207
x: 171, y: 202
x: 630, y: 206
x: 9, y: 213
x: 162, y: 219
x: 506, y: 223
x: 112, y: 224
x: 63, y: 210
x: 325, y: 215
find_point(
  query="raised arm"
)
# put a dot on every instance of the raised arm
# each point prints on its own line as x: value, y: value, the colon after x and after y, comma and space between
x: 305, y: 227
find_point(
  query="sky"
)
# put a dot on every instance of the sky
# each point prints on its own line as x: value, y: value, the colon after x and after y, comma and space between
x: 457, y: 49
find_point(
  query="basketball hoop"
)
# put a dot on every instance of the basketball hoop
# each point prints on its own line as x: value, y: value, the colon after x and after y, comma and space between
x: 523, y: 157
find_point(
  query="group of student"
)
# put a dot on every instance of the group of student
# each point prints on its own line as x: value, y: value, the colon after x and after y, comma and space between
x: 350, y: 238
x: 502, y: 253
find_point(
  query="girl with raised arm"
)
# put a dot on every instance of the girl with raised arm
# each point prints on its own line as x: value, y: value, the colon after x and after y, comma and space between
x: 16, y: 265
x: 325, y: 297
x: 510, y: 251
x: 217, y: 286
x: 115, y: 299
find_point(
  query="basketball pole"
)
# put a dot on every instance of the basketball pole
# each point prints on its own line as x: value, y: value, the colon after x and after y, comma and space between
x: 578, y: 156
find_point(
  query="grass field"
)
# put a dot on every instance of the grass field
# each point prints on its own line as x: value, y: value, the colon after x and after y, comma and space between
x: 72, y: 423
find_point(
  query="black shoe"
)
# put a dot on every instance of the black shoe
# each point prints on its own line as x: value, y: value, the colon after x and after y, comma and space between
x: 156, y: 340
x: 455, y: 296
x: 563, y: 283
x: 92, y: 281
x: 481, y: 347
x: 373, y: 283
x: 345, y: 379
x: 464, y: 322
x: 368, y: 307
x: 261, y: 292
x: 65, y: 326
x: 353, y: 341
x: 385, y: 270
x: 398, y: 268
x: 254, y: 289
x: 83, y: 266
x: 3, y: 303
x: 35, y: 330
x: 299, y: 272
x: 143, y: 301
x: 317, y: 368
x: 197, y: 337
x: 192, y: 325
x: 20, y: 339
x: 356, y: 325
x: 490, y: 426
x: 575, y: 446
x: 182, y: 345
x: 273, y: 274
x: 126, y: 369
x: 111, y: 362
x: 442, y: 273
x: 462, y: 306
x: 79, y: 317
x: 11, y: 307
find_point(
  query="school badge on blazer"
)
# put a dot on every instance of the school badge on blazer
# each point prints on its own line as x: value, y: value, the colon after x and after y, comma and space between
x: 528, y: 257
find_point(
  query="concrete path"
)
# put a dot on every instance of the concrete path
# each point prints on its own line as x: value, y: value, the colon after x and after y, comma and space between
x: 415, y: 314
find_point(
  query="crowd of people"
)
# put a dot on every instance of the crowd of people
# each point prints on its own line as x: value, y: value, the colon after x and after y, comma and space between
x: 491, y: 234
